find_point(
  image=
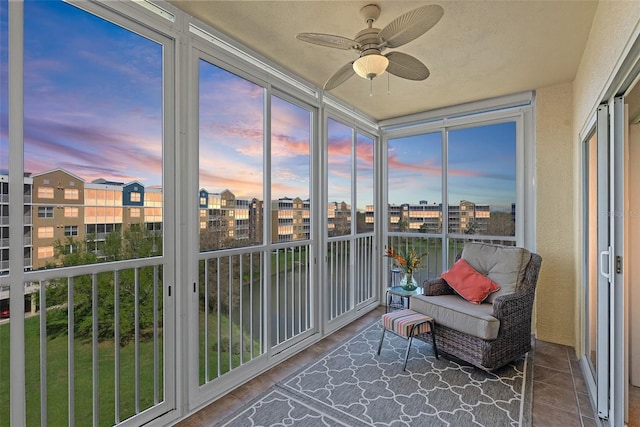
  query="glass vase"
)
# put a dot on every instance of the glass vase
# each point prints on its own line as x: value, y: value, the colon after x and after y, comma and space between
x: 408, y: 283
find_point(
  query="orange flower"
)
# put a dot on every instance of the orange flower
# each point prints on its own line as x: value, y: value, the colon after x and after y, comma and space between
x: 407, y: 261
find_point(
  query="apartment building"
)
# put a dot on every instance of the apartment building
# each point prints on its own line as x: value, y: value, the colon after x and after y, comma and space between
x: 464, y: 218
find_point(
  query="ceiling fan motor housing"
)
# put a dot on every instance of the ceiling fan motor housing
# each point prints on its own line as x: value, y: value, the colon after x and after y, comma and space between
x: 368, y: 41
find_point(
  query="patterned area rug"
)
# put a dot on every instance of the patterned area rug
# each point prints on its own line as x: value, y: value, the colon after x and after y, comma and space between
x: 353, y: 386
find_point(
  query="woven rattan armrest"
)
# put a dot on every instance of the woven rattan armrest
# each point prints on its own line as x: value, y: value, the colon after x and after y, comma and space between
x: 434, y: 287
x: 517, y: 304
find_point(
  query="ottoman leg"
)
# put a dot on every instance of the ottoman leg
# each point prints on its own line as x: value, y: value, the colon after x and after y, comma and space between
x: 406, y: 355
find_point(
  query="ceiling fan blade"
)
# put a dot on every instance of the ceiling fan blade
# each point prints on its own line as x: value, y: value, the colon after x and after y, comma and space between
x: 406, y: 66
x: 410, y: 25
x: 328, y: 40
x: 341, y: 76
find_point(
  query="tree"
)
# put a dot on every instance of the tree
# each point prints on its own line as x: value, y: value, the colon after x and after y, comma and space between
x: 471, y: 228
x: 403, y: 225
x: 135, y: 288
x: 501, y: 224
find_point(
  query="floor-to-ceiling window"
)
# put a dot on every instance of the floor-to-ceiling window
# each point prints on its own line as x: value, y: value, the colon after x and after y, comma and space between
x: 414, y: 210
x: 230, y: 215
x: 350, y: 158
x: 95, y: 277
x: 290, y: 210
x: 451, y: 184
x: 255, y: 220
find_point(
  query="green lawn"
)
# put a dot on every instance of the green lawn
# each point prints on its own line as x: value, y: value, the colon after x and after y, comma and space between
x: 57, y: 379
x: 57, y: 374
x: 228, y: 359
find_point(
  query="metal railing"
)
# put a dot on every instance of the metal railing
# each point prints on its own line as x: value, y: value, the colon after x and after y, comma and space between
x: 101, y: 349
x: 242, y: 312
x: 349, y: 287
x: 432, y: 264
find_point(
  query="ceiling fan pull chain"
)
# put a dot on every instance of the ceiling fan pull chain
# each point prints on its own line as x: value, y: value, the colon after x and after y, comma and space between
x: 370, y: 87
x: 388, y: 84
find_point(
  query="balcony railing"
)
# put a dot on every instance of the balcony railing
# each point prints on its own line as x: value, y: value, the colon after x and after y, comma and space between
x: 347, y: 288
x: 101, y: 338
x: 432, y: 263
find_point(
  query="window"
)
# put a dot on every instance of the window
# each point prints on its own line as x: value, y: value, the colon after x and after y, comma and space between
x: 45, y: 211
x: 70, y: 212
x: 481, y: 178
x: 152, y: 214
x: 415, y: 183
x: 130, y: 91
x: 71, y: 193
x: 71, y: 230
x: 339, y: 162
x: 435, y: 208
x: 135, y: 212
x: 135, y: 196
x: 290, y: 161
x: 45, y: 192
x: 364, y: 183
x: 45, y: 232
x: 231, y: 144
x: 45, y: 252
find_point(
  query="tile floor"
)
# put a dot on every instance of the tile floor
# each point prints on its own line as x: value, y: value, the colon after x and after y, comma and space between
x: 559, y: 394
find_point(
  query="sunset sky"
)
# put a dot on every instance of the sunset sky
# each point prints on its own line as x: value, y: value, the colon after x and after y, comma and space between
x: 93, y: 106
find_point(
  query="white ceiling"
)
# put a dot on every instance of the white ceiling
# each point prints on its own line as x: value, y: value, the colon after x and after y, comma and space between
x: 478, y: 50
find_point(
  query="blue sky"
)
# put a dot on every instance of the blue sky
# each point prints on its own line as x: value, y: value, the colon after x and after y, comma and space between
x: 93, y: 106
x: 480, y: 169
x: 93, y: 96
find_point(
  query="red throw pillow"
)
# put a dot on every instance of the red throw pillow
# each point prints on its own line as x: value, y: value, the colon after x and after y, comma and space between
x: 468, y: 283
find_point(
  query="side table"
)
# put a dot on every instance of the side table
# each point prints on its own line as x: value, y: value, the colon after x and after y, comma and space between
x: 400, y: 295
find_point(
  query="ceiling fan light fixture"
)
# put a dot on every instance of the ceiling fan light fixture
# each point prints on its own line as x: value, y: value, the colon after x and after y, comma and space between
x: 370, y: 66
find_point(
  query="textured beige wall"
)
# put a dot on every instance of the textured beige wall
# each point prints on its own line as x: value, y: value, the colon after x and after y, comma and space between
x: 555, y: 294
x: 615, y: 27
x: 562, y: 112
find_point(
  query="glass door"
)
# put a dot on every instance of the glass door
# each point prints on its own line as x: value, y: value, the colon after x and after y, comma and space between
x: 604, y: 247
x: 597, y: 258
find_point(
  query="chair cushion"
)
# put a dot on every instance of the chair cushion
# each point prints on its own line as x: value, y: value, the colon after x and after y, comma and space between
x: 457, y: 313
x: 401, y: 322
x: 468, y: 283
x: 504, y: 265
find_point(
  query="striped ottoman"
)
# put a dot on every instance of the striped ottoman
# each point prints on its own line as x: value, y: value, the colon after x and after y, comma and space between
x: 407, y: 324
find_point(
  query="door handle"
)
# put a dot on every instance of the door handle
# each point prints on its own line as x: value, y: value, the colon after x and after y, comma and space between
x: 606, y: 253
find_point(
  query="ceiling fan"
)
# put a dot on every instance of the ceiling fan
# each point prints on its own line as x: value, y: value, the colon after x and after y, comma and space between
x: 370, y: 43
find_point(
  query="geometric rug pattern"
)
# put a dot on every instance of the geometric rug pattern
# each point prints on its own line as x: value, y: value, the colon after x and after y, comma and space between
x: 353, y: 386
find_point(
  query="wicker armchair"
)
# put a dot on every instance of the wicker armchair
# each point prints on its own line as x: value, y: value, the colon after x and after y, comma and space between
x: 513, y: 311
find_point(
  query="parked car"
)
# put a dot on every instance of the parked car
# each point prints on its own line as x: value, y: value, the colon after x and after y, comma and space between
x: 4, y: 313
